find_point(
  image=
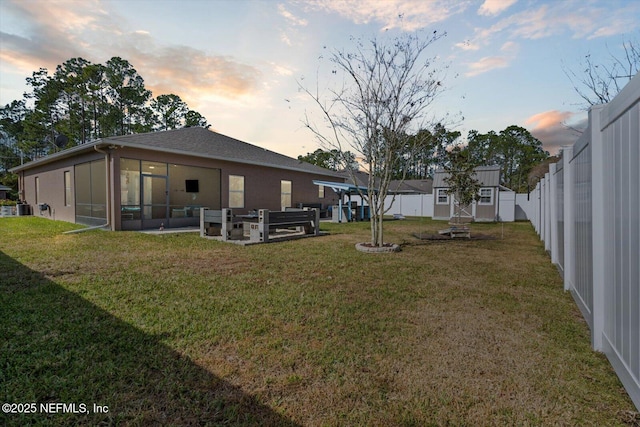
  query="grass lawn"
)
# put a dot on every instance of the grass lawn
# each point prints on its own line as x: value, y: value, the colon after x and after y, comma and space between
x: 180, y: 330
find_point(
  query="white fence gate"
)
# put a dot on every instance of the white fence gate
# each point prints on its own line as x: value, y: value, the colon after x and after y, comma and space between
x: 587, y: 211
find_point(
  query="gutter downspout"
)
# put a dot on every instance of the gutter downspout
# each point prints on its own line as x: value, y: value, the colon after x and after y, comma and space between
x: 108, y: 179
x: 82, y: 230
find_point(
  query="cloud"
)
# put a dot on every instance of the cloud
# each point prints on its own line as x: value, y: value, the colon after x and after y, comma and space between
x: 579, y: 19
x: 488, y: 63
x: 190, y: 73
x: 494, y: 7
x: 485, y: 64
x: 467, y: 45
x: 403, y: 14
x: 556, y: 128
x: 290, y: 17
x: 53, y: 32
x: 510, y: 47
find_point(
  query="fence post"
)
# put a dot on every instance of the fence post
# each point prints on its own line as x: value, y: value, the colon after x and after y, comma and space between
x: 553, y: 213
x: 547, y: 212
x: 569, y: 221
x: 599, y: 225
x: 536, y: 207
x: 542, y: 209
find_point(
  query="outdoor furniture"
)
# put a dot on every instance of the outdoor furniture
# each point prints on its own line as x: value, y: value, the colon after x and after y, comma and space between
x: 214, y: 222
x: 270, y: 221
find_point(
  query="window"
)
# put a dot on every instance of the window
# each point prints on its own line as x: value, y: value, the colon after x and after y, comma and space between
x: 68, y: 193
x: 285, y: 194
x: 191, y: 188
x: 321, y: 191
x: 129, y: 182
x: 91, y: 193
x: 486, y: 196
x: 236, y: 191
x: 37, y: 189
x: 442, y: 197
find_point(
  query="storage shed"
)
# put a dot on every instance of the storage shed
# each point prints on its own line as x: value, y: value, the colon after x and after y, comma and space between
x: 484, y: 209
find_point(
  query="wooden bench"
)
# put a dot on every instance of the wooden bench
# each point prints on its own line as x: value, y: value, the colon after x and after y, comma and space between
x: 215, y: 222
x: 268, y: 221
x: 458, y: 231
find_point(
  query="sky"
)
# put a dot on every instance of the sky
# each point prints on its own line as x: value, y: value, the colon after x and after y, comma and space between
x: 241, y: 63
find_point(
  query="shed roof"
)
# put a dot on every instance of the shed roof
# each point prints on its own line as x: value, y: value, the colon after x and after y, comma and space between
x: 194, y: 141
x: 488, y: 176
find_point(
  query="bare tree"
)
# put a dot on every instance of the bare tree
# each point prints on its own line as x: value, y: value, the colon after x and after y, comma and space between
x: 599, y: 83
x: 384, y: 93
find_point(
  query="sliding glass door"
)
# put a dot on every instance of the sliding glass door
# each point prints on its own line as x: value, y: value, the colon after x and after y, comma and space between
x: 155, y: 206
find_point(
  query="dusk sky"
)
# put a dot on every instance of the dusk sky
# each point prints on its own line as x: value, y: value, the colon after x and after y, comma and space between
x: 239, y: 62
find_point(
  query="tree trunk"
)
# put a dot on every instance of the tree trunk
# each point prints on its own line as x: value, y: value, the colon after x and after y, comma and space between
x: 380, y: 225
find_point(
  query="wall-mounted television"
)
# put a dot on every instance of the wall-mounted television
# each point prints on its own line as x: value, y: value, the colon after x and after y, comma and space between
x: 191, y: 185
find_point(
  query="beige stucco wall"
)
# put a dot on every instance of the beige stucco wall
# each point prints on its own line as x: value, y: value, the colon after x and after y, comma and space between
x: 262, y: 184
x: 52, y: 187
x: 486, y: 212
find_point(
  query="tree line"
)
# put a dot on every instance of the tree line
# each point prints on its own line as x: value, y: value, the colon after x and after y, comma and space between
x: 81, y: 102
x: 514, y: 149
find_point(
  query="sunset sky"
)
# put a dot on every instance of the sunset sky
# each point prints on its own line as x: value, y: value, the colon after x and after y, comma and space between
x: 239, y: 62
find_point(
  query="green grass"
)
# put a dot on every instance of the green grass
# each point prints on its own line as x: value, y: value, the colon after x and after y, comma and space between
x: 180, y: 330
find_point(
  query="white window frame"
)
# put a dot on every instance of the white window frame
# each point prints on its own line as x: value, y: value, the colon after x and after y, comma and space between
x: 68, y: 190
x: 442, y: 191
x: 37, y: 185
x: 320, y: 191
x: 481, y: 196
x: 286, y: 199
x: 237, y: 191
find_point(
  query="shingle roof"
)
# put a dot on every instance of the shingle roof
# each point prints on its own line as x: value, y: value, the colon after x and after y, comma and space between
x: 197, y: 141
x: 488, y: 176
x: 205, y: 143
x: 412, y: 186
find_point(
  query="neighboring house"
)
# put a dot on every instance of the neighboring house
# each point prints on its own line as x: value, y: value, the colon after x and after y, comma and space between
x: 486, y: 208
x: 158, y: 179
x: 4, y: 192
x: 411, y: 186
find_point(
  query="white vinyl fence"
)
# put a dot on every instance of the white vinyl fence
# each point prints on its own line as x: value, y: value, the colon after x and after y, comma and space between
x: 587, y: 211
x: 410, y: 204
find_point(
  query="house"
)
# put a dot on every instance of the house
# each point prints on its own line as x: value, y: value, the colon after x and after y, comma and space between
x: 4, y: 192
x: 415, y: 191
x: 161, y: 179
x: 485, y: 208
x: 411, y: 186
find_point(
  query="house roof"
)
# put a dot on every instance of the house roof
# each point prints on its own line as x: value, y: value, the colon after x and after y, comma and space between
x: 488, y: 176
x: 412, y: 186
x: 407, y: 186
x: 194, y: 141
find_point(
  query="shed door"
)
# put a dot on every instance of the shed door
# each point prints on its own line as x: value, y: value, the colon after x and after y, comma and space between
x: 466, y: 211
